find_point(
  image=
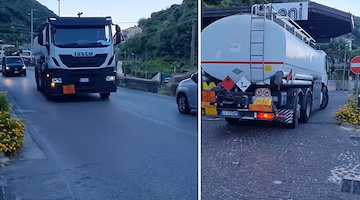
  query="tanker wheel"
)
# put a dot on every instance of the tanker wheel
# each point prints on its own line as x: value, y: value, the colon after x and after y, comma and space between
x: 325, y: 98
x: 296, y: 113
x: 232, y: 120
x: 305, y: 113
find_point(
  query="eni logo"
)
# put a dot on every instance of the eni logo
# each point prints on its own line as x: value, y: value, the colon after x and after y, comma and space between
x: 83, y: 54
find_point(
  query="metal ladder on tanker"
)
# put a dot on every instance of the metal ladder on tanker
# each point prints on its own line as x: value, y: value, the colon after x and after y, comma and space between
x: 259, y: 14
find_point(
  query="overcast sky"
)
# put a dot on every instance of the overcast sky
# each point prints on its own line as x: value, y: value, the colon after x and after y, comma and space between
x: 126, y: 13
x: 352, y: 6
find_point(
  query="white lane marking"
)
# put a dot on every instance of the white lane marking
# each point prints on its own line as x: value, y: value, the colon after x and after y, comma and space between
x: 159, y: 122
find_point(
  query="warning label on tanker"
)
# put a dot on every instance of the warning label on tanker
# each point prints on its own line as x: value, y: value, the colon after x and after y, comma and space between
x: 243, y: 84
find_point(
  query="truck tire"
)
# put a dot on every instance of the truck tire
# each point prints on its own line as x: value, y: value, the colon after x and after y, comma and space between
x: 296, y: 112
x: 325, y: 98
x: 39, y: 84
x: 183, y: 104
x: 305, y: 112
x: 105, y: 95
x: 232, y: 120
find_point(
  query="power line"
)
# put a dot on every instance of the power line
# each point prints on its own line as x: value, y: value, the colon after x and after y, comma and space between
x: 167, y: 28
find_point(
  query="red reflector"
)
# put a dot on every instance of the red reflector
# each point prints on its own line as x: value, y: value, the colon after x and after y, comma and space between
x: 267, y: 116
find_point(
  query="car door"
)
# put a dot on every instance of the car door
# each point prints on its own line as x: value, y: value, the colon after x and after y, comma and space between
x: 193, y: 91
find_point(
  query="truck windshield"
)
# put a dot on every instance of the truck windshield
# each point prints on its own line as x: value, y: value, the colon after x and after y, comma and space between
x: 81, y: 37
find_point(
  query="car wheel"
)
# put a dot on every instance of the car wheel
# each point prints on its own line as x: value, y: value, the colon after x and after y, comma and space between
x: 24, y: 74
x: 183, y: 104
x: 105, y: 95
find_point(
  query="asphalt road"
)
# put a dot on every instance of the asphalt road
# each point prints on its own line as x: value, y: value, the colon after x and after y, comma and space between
x: 133, y: 146
x: 266, y: 161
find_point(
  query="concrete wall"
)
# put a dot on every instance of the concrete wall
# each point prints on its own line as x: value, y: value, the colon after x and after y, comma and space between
x: 139, y: 84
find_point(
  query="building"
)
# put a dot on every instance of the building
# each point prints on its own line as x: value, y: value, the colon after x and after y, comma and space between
x: 131, y: 32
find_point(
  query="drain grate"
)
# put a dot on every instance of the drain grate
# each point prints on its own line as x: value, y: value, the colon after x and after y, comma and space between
x: 350, y: 185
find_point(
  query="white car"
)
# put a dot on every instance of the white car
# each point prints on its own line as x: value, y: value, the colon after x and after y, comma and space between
x: 186, y: 94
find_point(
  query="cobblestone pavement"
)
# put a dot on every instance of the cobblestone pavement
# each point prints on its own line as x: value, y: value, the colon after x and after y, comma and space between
x: 267, y: 161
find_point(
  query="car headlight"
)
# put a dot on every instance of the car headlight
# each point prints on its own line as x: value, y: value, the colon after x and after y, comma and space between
x: 24, y: 67
x: 110, y: 78
x: 7, y: 68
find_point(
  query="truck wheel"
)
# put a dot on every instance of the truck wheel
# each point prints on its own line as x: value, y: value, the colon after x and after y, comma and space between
x: 231, y: 120
x: 325, y: 98
x: 305, y: 113
x: 105, y: 95
x: 39, y: 84
x: 183, y: 104
x: 296, y: 113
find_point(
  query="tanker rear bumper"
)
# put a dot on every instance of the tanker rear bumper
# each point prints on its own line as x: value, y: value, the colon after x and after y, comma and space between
x: 282, y: 116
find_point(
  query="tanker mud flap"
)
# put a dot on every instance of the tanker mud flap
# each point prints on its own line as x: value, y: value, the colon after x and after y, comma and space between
x: 285, y: 116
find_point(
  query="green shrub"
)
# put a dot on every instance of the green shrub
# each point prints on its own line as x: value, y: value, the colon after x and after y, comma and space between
x: 350, y: 113
x: 4, y: 104
x: 11, y: 129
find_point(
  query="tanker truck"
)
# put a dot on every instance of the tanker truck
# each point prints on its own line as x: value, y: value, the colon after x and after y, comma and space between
x: 75, y: 56
x: 261, y: 66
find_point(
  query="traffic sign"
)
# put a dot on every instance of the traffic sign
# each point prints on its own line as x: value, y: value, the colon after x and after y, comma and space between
x: 355, y: 65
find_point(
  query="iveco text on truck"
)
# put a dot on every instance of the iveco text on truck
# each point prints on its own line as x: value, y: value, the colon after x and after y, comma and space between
x: 261, y: 66
x: 74, y: 56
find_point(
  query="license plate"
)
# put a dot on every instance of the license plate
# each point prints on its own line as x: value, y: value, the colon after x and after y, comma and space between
x: 69, y: 89
x: 229, y: 113
x: 16, y: 72
x: 84, y: 80
x: 210, y: 110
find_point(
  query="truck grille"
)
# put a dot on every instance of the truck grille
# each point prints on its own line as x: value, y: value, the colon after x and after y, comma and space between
x: 73, y: 62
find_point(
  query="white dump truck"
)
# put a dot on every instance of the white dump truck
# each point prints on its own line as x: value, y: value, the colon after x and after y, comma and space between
x: 75, y: 55
x: 261, y: 66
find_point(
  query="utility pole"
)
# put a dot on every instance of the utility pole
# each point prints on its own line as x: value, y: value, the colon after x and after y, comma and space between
x: 146, y: 65
x: 58, y: 8
x: 192, y: 45
x: 32, y: 29
x: 344, y: 68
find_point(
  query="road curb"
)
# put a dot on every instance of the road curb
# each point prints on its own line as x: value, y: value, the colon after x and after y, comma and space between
x: 352, y: 128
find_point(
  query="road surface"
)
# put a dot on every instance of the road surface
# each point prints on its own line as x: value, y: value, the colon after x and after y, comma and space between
x: 135, y: 145
x: 266, y: 161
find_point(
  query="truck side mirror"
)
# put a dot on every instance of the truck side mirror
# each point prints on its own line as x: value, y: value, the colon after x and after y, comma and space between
x: 41, y: 39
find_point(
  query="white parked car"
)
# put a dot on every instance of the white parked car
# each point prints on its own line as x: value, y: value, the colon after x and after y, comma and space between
x: 186, y: 94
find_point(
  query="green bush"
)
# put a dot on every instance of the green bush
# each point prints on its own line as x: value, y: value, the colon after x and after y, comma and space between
x: 350, y: 113
x: 4, y: 104
x: 11, y: 129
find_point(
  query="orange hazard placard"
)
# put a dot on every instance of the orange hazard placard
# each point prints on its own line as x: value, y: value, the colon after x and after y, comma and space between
x: 208, y: 96
x: 68, y: 89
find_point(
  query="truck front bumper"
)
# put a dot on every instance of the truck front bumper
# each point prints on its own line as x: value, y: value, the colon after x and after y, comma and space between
x: 60, y: 82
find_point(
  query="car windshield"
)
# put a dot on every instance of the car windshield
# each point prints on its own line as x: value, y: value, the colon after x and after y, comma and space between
x: 82, y: 37
x: 14, y: 61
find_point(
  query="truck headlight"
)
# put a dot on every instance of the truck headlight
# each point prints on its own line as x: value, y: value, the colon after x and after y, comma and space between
x: 24, y: 67
x: 110, y: 78
x: 7, y: 68
x: 56, y: 80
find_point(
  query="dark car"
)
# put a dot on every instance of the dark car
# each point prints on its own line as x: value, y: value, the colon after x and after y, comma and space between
x: 13, y: 65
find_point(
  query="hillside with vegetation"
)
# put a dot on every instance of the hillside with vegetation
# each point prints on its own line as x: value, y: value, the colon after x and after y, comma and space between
x: 15, y: 19
x: 164, y: 45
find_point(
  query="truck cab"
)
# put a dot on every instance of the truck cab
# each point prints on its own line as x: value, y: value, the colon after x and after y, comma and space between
x: 74, y: 56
